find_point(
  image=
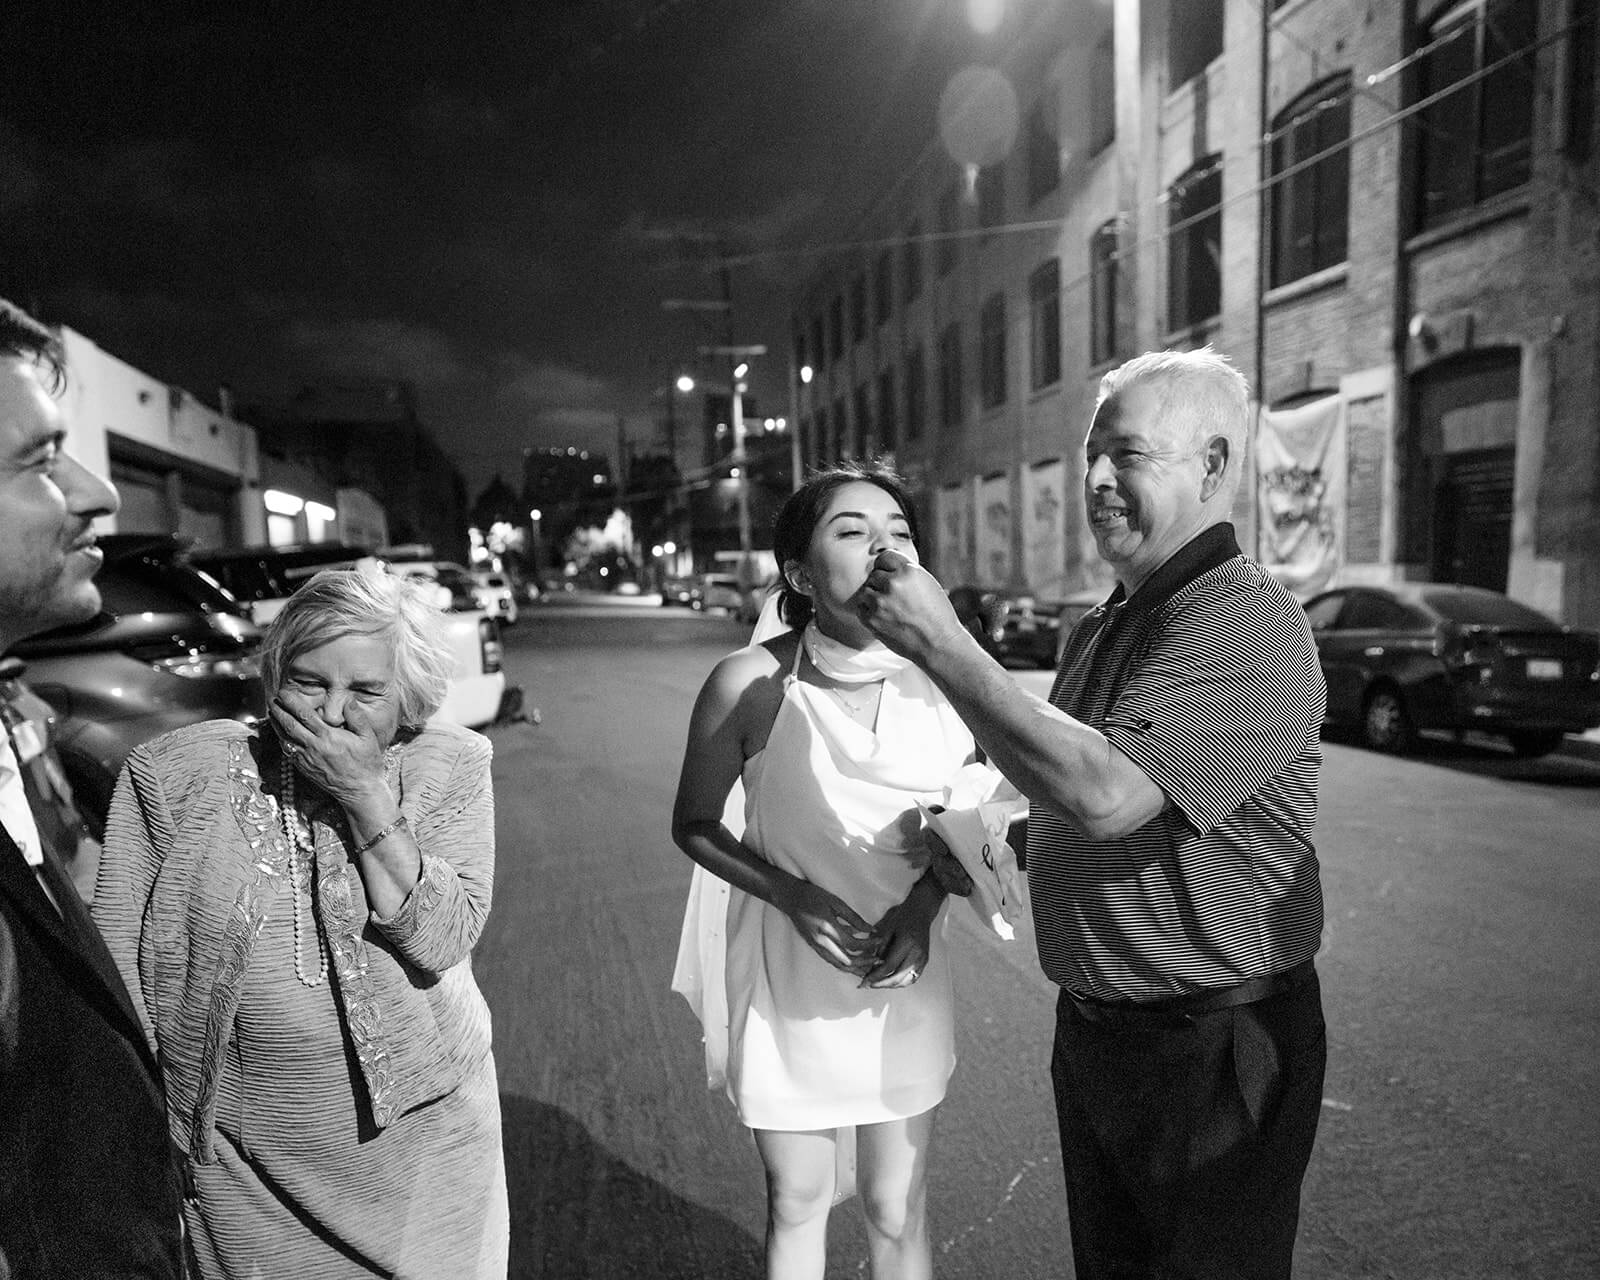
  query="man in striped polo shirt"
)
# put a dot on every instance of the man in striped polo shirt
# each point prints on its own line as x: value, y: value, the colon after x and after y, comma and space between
x: 1176, y: 893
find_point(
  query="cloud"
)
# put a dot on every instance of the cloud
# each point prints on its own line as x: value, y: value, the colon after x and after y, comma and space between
x: 378, y: 348
x: 552, y: 388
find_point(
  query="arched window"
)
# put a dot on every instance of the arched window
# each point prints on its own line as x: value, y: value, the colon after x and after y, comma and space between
x: 1474, y: 142
x: 1310, y: 200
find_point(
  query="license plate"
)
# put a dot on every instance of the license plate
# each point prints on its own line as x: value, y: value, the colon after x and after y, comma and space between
x: 1544, y: 669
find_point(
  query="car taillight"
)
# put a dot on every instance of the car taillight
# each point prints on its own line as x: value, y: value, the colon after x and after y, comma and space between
x: 489, y: 645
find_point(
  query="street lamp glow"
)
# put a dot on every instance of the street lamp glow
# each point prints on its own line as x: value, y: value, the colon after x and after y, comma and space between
x: 806, y: 374
x: 742, y: 368
x: 535, y: 514
x: 667, y: 548
x: 685, y: 383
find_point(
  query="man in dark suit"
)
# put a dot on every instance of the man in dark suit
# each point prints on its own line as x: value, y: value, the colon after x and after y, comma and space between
x: 88, y: 1186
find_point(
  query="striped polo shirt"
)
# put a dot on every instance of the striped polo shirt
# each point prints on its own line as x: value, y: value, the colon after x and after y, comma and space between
x: 1208, y: 680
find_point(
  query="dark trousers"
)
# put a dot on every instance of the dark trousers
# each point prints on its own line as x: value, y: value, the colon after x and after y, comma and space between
x: 1184, y: 1137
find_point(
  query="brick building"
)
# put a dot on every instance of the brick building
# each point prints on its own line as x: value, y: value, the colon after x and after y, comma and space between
x: 1386, y: 212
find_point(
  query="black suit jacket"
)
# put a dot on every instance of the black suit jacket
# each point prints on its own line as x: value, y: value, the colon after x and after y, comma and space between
x: 88, y: 1185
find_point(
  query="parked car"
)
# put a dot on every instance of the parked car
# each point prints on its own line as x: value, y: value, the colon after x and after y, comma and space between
x: 1073, y: 608
x: 1429, y: 656
x: 496, y: 596
x: 981, y: 612
x: 720, y: 591
x: 685, y: 592
x: 262, y: 578
x: 267, y: 576
x: 168, y: 648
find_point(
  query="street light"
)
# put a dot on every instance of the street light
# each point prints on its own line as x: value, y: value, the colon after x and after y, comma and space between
x: 738, y: 456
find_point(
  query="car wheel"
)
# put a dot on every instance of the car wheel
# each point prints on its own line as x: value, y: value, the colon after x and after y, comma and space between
x: 1385, y: 722
x: 1529, y: 743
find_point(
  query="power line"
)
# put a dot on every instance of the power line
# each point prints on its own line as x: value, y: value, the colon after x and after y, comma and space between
x: 1397, y: 115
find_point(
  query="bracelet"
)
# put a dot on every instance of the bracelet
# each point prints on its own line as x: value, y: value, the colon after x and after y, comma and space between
x: 382, y: 834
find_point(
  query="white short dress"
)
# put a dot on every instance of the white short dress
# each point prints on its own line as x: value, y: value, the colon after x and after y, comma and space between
x: 835, y: 802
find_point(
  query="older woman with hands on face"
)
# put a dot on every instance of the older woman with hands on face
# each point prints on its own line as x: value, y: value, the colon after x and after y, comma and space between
x: 294, y: 908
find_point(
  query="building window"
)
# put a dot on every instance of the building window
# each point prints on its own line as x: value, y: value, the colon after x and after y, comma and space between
x: 949, y: 224
x: 1475, y: 142
x: 836, y: 328
x: 1580, y: 78
x: 950, y: 376
x: 886, y: 422
x: 991, y: 197
x: 1310, y: 193
x: 1044, y: 308
x: 1194, y: 245
x: 1044, y: 149
x: 916, y: 395
x: 1103, y: 94
x: 883, y: 287
x: 992, y: 351
x: 1194, y: 39
x: 911, y: 261
x: 1104, y: 255
x: 818, y: 352
x: 858, y: 309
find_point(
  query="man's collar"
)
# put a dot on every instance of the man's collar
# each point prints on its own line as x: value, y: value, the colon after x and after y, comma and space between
x: 1206, y: 550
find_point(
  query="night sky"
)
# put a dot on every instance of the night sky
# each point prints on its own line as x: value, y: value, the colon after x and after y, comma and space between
x: 477, y: 197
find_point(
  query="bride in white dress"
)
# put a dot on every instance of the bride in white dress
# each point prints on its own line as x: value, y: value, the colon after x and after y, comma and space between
x: 837, y: 985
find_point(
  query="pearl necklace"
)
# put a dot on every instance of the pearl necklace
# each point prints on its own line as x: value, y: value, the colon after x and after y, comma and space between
x: 300, y: 839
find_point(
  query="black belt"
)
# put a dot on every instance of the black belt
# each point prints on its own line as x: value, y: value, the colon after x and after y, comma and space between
x: 1251, y: 991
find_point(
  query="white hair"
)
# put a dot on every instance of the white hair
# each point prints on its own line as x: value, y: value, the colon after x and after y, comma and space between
x: 1202, y: 396
x: 362, y: 602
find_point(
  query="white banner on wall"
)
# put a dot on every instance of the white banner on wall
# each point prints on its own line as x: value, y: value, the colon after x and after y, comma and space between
x: 994, y: 521
x: 1300, y: 493
x: 1044, y: 536
x: 954, y: 544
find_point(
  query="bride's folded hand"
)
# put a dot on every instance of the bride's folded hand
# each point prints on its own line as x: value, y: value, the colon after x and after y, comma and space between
x: 830, y: 927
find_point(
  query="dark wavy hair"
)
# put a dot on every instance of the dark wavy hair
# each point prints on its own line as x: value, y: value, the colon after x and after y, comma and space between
x: 797, y: 521
x: 21, y: 335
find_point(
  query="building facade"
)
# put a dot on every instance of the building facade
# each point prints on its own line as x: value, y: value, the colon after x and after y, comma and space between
x: 1385, y: 212
x: 180, y: 466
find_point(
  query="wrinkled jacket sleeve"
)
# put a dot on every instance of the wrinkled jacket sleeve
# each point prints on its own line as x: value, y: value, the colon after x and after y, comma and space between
x: 138, y: 832
x: 453, y: 822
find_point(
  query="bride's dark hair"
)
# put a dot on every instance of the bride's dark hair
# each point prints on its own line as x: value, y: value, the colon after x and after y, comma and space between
x: 797, y: 521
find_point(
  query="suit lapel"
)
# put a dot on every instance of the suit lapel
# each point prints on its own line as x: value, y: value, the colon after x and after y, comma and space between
x: 69, y: 930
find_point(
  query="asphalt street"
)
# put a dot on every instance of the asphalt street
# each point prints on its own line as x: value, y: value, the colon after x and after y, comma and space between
x: 1460, y: 1125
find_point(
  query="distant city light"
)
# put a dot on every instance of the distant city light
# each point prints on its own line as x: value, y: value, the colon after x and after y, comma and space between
x: 734, y: 473
x: 685, y: 383
x: 667, y: 548
x: 769, y: 424
x: 806, y: 374
x: 740, y: 369
x: 598, y: 478
x: 535, y: 514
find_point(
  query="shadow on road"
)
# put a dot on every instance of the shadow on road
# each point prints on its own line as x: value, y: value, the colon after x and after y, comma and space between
x: 1486, y: 756
x: 579, y: 1213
